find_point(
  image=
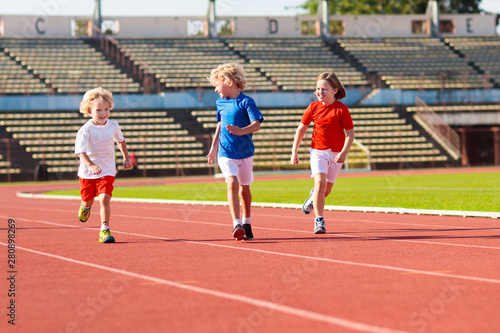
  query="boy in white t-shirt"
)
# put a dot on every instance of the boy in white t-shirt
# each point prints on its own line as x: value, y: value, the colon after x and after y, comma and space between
x: 95, y: 146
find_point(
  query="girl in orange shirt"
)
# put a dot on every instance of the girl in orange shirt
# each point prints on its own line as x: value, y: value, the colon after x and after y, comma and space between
x: 333, y: 135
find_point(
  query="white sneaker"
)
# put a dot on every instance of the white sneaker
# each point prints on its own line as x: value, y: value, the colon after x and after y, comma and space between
x: 319, y: 226
x: 307, y: 206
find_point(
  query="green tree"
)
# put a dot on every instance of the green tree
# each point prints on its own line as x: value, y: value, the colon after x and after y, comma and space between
x: 462, y: 6
x: 81, y: 28
x: 364, y: 7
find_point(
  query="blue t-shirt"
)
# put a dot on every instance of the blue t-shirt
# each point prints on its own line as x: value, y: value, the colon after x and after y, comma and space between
x: 241, y: 112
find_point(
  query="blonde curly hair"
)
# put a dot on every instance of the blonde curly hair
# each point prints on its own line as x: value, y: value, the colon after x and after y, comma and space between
x: 229, y: 71
x: 96, y: 95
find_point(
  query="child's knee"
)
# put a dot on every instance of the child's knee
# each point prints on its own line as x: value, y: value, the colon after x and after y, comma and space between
x: 245, y: 190
x: 88, y: 203
x: 328, y: 190
x: 320, y: 183
x: 104, y: 198
x: 232, y: 184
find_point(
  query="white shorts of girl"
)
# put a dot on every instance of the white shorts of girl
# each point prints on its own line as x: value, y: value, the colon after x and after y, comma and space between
x: 323, y: 161
x: 240, y: 168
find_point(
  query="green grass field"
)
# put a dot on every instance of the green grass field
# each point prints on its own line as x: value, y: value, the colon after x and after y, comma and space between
x: 457, y: 191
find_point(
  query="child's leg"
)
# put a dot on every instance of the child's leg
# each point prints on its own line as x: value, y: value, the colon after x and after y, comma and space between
x: 232, y: 197
x: 329, y: 187
x: 105, y: 187
x: 105, y: 201
x: 234, y: 207
x: 105, y: 234
x: 246, y: 178
x: 84, y: 210
x: 87, y: 204
x: 327, y: 190
x: 333, y: 172
x: 320, y: 187
x: 246, y: 204
x: 246, y: 199
x: 87, y: 193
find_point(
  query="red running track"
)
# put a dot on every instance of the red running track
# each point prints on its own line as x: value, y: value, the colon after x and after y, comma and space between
x: 175, y: 268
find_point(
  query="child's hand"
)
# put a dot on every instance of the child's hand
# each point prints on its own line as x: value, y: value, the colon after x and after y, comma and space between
x: 340, y: 158
x: 211, y: 156
x: 95, y: 169
x: 234, y: 130
x: 127, y: 164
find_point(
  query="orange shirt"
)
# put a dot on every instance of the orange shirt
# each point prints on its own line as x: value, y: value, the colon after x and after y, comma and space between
x: 330, y: 121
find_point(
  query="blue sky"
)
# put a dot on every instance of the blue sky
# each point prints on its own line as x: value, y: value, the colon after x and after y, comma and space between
x: 167, y: 7
x: 492, y: 6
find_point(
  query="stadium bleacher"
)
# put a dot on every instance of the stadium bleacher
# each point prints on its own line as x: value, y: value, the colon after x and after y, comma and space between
x: 414, y: 63
x: 6, y: 167
x: 72, y: 65
x: 460, y: 108
x: 185, y: 63
x: 158, y: 142
x: 66, y: 66
x: 14, y: 79
x: 293, y: 63
x: 482, y: 52
x: 390, y: 138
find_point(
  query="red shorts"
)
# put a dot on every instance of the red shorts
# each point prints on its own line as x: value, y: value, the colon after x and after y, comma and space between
x: 90, y: 188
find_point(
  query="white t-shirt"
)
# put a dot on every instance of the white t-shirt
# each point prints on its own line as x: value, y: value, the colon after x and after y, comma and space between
x: 98, y: 141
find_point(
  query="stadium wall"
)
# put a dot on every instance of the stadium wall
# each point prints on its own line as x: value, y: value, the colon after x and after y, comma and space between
x: 407, y: 97
x: 206, y: 99
x: 166, y: 100
x: 258, y: 26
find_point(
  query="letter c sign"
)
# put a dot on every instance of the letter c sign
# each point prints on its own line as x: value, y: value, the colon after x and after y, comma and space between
x: 37, y: 26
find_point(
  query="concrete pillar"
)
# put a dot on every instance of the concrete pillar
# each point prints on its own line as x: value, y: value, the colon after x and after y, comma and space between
x: 324, y: 18
x: 211, y: 18
x: 97, y: 13
x: 432, y: 13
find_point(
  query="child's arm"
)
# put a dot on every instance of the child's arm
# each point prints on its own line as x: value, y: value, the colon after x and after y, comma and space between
x: 253, y: 127
x: 215, y: 145
x: 86, y: 159
x: 299, y: 135
x: 341, y: 157
x: 127, y: 163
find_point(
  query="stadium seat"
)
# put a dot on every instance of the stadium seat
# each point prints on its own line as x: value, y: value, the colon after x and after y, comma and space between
x: 413, y: 63
x: 158, y: 141
x: 66, y: 65
x: 388, y: 137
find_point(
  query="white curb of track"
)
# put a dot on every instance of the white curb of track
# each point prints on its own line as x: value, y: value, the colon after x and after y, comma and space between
x: 460, y: 213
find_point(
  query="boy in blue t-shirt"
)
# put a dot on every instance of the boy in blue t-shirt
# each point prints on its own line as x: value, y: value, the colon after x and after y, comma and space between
x: 237, y: 118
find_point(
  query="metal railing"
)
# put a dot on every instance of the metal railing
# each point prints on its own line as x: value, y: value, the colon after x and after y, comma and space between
x: 438, y: 129
x: 111, y: 48
x: 6, y: 168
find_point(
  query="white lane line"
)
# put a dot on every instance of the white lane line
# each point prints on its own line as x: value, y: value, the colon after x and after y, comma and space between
x: 233, y: 297
x: 394, y: 239
x: 396, y: 210
x: 334, y: 234
x: 325, y: 247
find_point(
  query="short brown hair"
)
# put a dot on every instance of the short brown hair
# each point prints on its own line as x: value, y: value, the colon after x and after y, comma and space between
x: 334, y: 82
x: 96, y: 95
x: 229, y: 71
